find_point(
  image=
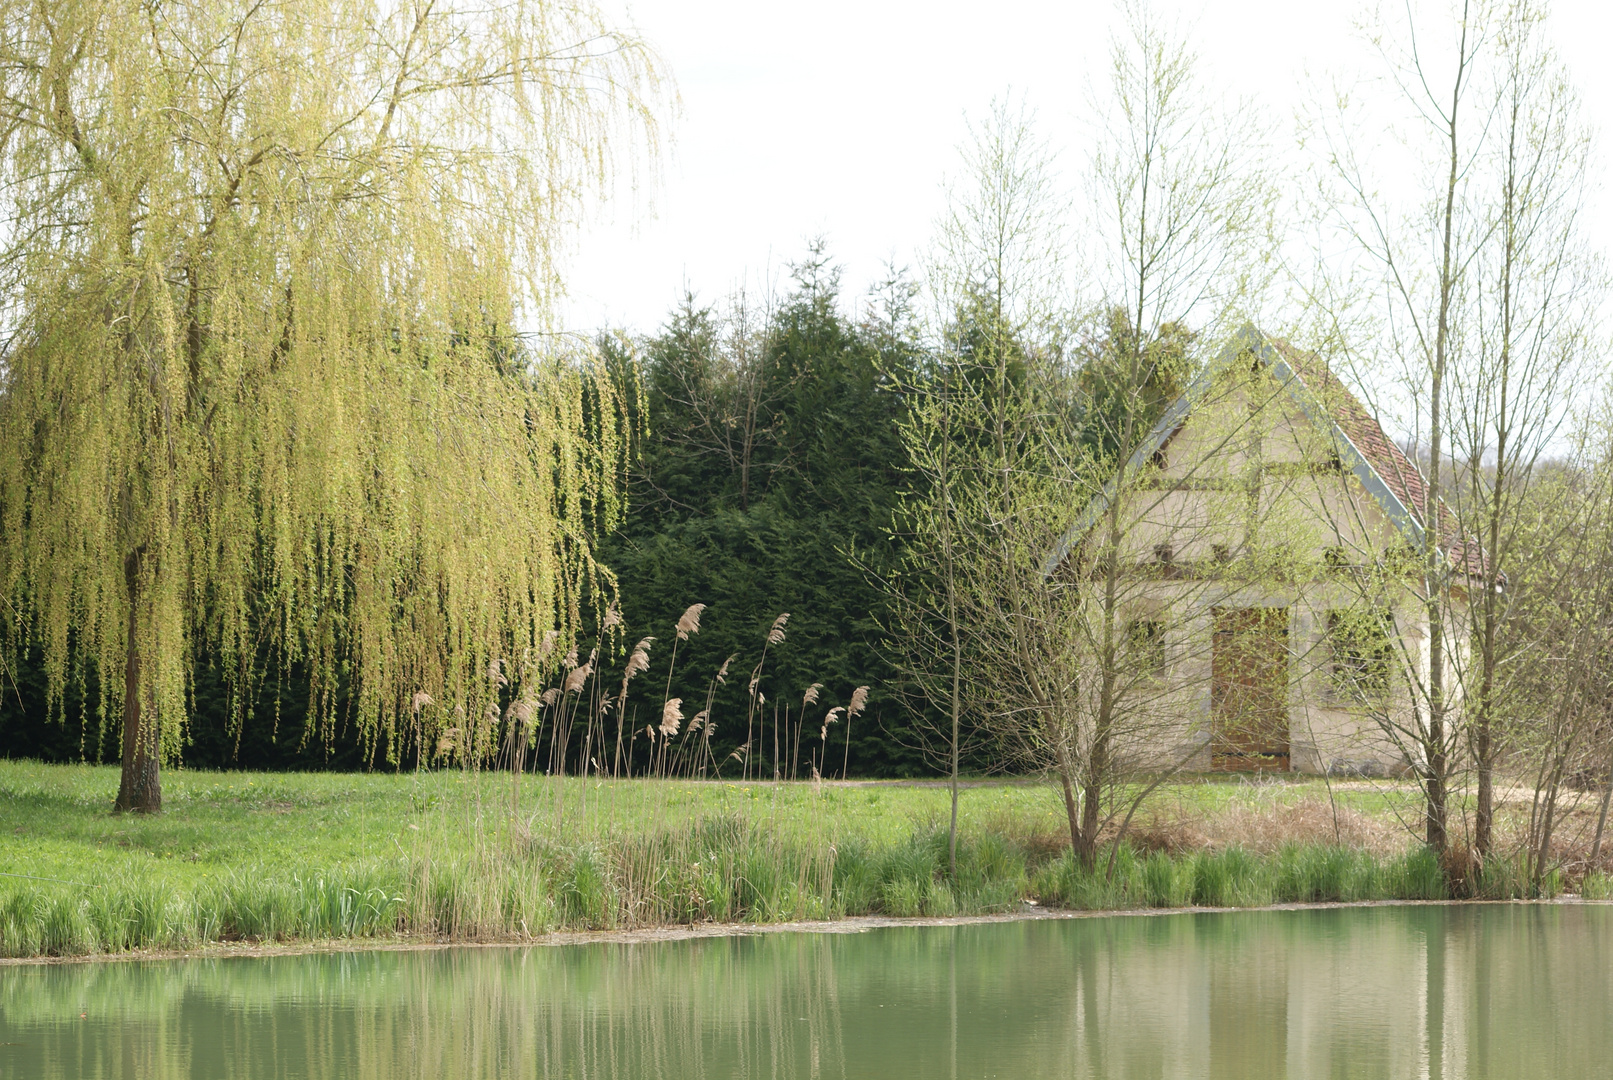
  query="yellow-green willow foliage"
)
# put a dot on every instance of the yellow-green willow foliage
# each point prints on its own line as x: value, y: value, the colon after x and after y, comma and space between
x: 261, y: 263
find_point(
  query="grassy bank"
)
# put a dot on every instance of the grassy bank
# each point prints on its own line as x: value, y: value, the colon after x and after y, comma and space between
x: 261, y: 857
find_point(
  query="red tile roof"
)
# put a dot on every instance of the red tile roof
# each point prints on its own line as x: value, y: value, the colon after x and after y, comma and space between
x: 1398, y: 472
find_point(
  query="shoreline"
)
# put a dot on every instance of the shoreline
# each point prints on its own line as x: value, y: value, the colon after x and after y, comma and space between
x: 652, y: 935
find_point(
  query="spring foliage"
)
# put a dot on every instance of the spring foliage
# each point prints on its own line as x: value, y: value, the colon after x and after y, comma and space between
x: 261, y: 384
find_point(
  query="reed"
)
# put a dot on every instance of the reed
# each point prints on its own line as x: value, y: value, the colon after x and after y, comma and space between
x: 1239, y: 877
x: 715, y: 869
x: 323, y: 857
x: 732, y: 865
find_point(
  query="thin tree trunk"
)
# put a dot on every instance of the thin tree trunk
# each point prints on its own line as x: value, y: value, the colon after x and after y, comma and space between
x: 1483, y: 743
x: 140, y: 788
x: 1097, y: 764
x: 1601, y: 821
x: 1548, y: 822
x: 1484, y: 812
x: 1543, y: 821
x: 1071, y: 812
x: 1091, y: 803
x: 957, y: 675
x: 948, y: 556
x: 1483, y: 740
x: 1438, y: 835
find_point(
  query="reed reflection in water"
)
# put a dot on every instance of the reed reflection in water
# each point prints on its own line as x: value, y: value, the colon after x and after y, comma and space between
x: 1467, y: 993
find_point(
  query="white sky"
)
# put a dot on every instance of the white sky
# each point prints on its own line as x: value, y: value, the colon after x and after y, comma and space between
x: 841, y: 118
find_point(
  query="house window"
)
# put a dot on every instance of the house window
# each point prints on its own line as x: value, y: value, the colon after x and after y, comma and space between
x: 1335, y: 557
x: 1221, y: 553
x: 1401, y: 559
x: 1165, y: 560
x: 1362, y: 653
x: 1145, y: 641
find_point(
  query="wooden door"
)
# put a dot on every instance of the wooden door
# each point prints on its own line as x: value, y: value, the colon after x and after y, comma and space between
x: 1249, y: 689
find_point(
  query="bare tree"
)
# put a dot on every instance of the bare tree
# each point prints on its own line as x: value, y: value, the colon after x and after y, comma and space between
x: 1424, y: 261
x: 1483, y: 294
x: 1551, y: 714
x: 924, y: 627
x: 1536, y: 291
x: 995, y: 280
x: 1064, y: 646
x: 1181, y: 205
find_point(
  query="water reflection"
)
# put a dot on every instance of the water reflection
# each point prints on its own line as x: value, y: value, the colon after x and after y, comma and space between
x: 1473, y: 992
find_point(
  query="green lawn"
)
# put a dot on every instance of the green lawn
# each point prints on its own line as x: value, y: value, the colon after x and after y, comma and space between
x: 57, y: 822
x: 255, y: 856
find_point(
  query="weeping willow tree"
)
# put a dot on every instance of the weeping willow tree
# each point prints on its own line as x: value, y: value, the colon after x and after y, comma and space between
x: 263, y: 264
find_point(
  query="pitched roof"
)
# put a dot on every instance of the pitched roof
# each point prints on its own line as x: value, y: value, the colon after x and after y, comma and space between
x: 1383, y: 469
x: 1391, y: 464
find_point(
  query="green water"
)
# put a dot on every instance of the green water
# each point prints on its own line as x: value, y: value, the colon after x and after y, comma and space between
x: 1461, y: 992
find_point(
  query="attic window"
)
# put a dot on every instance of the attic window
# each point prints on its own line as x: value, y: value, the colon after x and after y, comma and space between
x: 1164, y: 553
x: 1145, y: 639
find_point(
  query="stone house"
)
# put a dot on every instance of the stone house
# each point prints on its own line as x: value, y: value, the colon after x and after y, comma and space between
x: 1269, y: 533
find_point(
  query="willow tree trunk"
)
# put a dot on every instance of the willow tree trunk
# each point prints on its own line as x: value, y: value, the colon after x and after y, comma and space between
x: 140, y: 790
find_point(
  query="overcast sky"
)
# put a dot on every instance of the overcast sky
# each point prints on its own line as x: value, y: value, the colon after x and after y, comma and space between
x: 841, y: 118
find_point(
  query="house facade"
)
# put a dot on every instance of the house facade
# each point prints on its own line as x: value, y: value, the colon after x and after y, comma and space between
x: 1271, y: 537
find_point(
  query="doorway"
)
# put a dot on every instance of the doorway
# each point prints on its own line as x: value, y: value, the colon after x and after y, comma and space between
x: 1249, y: 689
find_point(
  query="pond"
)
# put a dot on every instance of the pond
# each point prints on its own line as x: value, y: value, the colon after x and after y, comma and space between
x: 1472, y: 992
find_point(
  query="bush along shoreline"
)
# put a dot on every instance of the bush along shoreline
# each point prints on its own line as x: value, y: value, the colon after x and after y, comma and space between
x: 719, y: 870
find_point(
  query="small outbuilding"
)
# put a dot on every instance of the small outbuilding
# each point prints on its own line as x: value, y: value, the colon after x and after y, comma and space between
x: 1273, y: 538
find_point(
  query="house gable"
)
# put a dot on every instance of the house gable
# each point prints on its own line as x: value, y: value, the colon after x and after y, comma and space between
x: 1312, y: 405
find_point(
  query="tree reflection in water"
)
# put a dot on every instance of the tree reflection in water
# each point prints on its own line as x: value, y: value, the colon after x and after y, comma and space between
x: 1464, y: 993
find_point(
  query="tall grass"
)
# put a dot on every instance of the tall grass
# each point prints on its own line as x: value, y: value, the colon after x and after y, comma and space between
x: 455, y: 855
x: 1237, y: 877
x: 719, y: 868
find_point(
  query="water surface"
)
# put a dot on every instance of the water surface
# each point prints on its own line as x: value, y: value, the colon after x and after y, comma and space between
x: 1476, y: 993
